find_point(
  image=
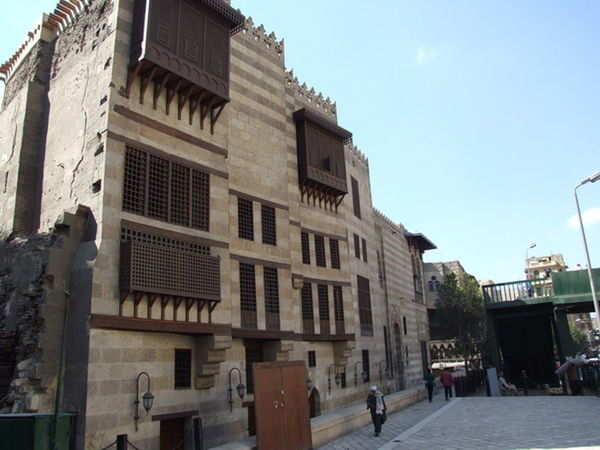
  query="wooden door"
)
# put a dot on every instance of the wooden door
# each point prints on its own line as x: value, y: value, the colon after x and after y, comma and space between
x: 172, y: 434
x: 281, y: 402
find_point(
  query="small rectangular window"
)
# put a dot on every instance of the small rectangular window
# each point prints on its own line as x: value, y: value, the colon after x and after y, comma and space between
x: 366, y: 366
x: 364, y: 306
x: 320, y: 250
x: 305, y: 248
x: 364, y: 249
x: 355, y: 197
x: 271, y: 285
x: 312, y: 358
x: 183, y: 368
x: 245, y: 219
x: 323, y: 294
x: 356, y: 246
x: 269, y: 229
x: 248, y: 296
x: 334, y: 250
x: 308, y: 320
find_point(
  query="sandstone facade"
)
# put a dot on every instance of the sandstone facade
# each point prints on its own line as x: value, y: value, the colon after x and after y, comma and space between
x: 298, y: 276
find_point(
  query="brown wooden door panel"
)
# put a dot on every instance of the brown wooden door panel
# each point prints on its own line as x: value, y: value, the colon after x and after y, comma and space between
x: 296, y: 408
x: 281, y: 402
x: 172, y: 433
x: 269, y: 405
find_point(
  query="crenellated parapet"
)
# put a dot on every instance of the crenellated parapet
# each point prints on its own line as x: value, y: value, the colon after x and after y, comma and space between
x: 395, y: 227
x: 310, y: 97
x: 359, y: 155
x: 259, y: 35
x: 47, y: 28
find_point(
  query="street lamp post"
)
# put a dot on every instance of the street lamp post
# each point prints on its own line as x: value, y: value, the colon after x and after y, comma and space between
x: 590, y: 179
x: 532, y: 245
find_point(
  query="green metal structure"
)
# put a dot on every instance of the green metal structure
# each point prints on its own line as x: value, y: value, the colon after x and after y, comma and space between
x: 33, y: 431
x: 527, y: 322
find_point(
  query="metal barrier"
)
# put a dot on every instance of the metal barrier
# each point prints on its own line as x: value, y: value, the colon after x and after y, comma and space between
x: 470, y: 383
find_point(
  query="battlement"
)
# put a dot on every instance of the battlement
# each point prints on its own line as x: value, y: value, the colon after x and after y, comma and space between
x: 47, y: 28
x: 395, y: 227
x: 310, y: 97
x: 360, y: 155
x: 268, y: 41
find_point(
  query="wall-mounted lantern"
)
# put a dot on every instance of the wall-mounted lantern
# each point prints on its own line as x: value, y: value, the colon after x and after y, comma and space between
x: 240, y: 388
x: 147, y: 398
x: 337, y: 377
x: 363, y: 374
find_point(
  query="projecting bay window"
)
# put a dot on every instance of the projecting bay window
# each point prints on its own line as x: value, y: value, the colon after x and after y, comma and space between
x: 175, y: 268
x: 338, y: 307
x: 182, y: 48
x: 271, y: 298
x: 308, y: 318
x: 324, y: 309
x: 165, y: 190
x: 248, y: 296
x: 321, y: 163
x: 364, y: 306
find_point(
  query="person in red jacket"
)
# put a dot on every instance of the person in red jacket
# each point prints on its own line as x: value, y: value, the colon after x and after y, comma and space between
x: 447, y: 381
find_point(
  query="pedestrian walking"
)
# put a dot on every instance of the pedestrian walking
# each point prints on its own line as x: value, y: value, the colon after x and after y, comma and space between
x: 447, y: 381
x: 376, y: 404
x: 429, y: 383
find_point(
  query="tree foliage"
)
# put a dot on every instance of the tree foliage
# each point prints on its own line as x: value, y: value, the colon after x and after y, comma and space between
x: 580, y: 337
x: 461, y: 314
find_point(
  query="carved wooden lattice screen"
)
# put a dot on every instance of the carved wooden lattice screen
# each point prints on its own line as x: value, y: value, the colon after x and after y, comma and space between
x: 308, y: 318
x: 172, y: 268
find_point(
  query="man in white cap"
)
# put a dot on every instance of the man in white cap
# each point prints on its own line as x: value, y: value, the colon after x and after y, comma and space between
x: 376, y: 404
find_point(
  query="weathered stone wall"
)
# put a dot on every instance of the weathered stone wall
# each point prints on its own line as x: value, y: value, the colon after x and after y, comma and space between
x: 78, y: 92
x: 23, y: 262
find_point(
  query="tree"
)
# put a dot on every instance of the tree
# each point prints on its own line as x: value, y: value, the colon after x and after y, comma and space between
x: 580, y: 337
x: 461, y: 314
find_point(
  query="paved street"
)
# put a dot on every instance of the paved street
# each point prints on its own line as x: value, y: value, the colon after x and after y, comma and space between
x: 482, y: 422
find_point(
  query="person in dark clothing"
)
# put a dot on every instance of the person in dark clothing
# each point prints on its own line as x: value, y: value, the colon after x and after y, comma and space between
x: 429, y: 383
x: 447, y: 381
x: 376, y: 404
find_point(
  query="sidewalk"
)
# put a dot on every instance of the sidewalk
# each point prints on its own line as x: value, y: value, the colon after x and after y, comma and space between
x: 483, y: 422
x: 396, y: 424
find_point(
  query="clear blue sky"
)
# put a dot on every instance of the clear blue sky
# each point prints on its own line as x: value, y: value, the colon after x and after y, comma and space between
x: 478, y: 117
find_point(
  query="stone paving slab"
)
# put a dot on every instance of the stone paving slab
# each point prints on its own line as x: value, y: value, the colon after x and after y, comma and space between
x: 486, y: 423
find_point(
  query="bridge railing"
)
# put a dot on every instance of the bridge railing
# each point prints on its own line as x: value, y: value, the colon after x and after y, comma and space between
x: 518, y: 290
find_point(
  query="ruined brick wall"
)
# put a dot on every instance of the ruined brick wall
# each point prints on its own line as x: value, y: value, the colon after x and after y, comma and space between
x: 23, y: 263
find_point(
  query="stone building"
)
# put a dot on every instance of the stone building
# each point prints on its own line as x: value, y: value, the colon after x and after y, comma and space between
x: 442, y: 349
x: 185, y: 208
